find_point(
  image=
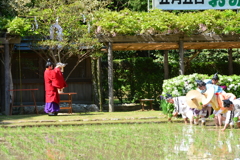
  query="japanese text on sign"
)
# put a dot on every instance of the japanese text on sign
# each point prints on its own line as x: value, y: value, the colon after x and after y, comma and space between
x: 196, y: 4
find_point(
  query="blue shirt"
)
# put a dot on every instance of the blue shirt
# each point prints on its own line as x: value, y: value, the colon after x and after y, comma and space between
x: 217, y: 89
x: 207, y: 81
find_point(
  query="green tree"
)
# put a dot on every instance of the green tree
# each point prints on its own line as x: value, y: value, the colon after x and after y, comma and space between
x: 64, y: 29
x: 134, y: 5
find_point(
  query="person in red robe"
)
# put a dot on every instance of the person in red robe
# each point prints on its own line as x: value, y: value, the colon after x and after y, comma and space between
x: 54, y: 80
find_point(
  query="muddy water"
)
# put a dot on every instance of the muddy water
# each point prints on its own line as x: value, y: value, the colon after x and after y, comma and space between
x: 167, y: 141
x: 209, y: 143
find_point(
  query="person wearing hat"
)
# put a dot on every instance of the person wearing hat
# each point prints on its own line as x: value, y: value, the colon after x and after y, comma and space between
x: 217, y: 107
x: 194, y: 100
x: 233, y: 112
x: 202, y: 87
x: 53, y: 80
x: 214, y: 79
x: 180, y: 107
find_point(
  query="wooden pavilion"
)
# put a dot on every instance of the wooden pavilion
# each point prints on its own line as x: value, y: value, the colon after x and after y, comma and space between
x: 165, y: 42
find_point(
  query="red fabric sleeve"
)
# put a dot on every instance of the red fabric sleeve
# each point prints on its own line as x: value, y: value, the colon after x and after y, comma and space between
x: 58, y: 79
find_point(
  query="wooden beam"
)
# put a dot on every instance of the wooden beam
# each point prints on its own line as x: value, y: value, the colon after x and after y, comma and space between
x: 173, y: 45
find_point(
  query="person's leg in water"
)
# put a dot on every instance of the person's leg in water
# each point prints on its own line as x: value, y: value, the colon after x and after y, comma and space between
x: 220, y: 119
x: 209, y: 109
x: 203, y: 114
x: 186, y: 121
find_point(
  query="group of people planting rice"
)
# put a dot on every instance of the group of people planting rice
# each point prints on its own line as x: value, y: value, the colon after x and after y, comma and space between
x: 208, y: 100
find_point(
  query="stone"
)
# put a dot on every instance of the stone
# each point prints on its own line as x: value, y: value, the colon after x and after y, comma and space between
x: 77, y: 108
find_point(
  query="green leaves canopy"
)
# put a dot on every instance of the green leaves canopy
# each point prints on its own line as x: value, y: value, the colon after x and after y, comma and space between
x: 161, y: 22
x: 15, y: 26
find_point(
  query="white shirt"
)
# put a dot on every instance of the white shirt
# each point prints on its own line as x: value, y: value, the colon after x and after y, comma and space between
x: 180, y: 105
x: 234, y: 113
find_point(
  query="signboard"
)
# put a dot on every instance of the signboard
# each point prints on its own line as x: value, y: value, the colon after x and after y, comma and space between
x: 196, y: 4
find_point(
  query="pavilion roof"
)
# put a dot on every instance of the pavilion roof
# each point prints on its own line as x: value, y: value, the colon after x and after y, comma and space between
x: 171, y: 41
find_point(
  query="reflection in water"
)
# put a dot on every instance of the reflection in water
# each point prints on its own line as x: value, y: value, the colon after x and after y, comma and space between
x: 206, y: 143
x: 186, y: 141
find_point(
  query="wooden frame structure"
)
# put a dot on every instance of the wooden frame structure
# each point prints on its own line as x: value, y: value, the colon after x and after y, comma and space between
x: 164, y: 42
x: 141, y: 42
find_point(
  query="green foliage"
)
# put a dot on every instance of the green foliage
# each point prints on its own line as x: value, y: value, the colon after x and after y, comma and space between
x: 15, y: 26
x: 3, y: 23
x: 134, y: 5
x: 180, y: 85
x: 235, y: 119
x: 135, y: 78
x: 74, y: 19
x: 148, y: 77
x: 167, y: 108
x: 18, y: 26
x: 163, y: 22
x: 12, y: 8
x: 212, y: 116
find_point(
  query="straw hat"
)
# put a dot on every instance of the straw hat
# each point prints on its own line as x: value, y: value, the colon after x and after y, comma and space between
x: 214, y: 103
x: 207, y: 96
x: 210, y: 97
x: 194, y: 99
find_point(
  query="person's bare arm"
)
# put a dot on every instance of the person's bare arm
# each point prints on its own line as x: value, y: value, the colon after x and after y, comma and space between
x: 225, y: 127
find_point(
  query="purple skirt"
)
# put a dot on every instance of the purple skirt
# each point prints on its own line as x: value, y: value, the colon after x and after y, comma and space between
x: 51, y: 107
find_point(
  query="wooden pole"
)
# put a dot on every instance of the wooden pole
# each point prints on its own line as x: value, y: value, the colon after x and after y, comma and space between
x: 230, y: 62
x: 166, y: 69
x: 99, y: 84
x: 181, y: 58
x: 110, y: 77
x: 7, y: 78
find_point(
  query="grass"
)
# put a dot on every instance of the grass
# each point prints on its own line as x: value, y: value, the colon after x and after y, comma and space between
x: 150, y: 141
x: 77, y: 118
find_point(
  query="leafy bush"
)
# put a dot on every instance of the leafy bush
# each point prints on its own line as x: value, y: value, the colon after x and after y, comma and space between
x: 180, y: 85
x: 167, y: 108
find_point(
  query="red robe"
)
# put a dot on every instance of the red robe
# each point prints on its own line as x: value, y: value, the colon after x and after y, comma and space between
x: 53, y: 80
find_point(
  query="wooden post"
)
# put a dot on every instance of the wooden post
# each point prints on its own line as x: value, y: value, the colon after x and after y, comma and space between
x: 166, y: 69
x: 99, y: 84
x: 7, y: 78
x: 181, y: 58
x: 230, y: 62
x: 110, y: 77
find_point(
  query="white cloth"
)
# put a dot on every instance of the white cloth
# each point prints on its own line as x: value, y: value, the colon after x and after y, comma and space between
x: 180, y: 106
x: 234, y: 113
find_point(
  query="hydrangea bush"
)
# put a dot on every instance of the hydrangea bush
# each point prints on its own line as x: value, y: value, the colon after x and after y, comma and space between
x: 180, y: 85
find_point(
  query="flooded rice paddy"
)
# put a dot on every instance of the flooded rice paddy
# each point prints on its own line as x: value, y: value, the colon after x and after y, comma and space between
x: 167, y: 141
